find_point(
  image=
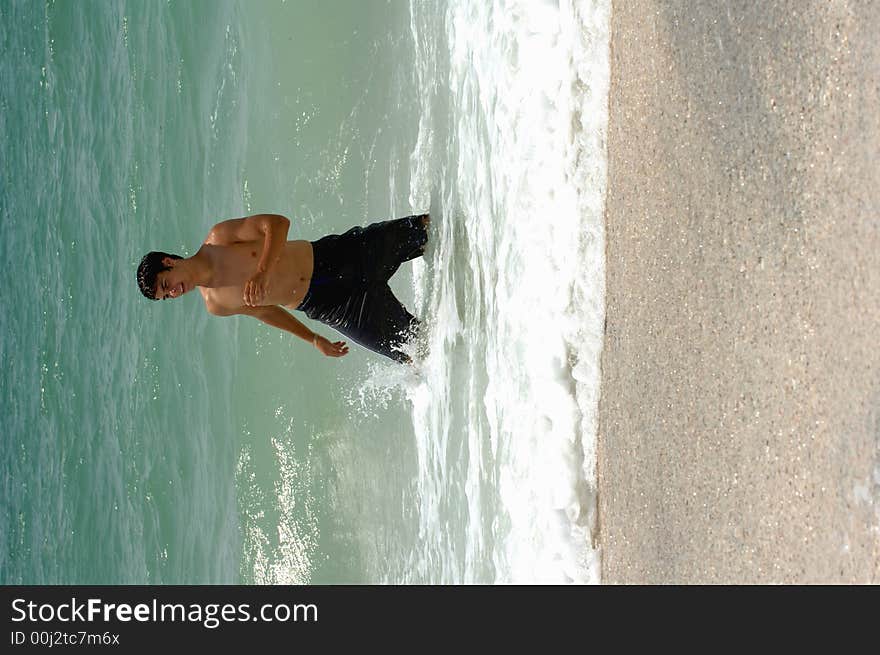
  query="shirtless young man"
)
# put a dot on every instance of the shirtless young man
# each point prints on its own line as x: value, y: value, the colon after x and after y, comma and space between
x: 247, y: 266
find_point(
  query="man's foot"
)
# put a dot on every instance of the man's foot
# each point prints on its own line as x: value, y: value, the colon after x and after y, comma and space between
x: 425, y: 220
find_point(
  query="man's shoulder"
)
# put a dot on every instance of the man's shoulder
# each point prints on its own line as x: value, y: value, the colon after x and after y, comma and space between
x: 213, y: 304
x: 222, y: 234
x: 216, y: 236
x: 233, y: 230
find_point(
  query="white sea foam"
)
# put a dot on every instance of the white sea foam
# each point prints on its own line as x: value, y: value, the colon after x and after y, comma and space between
x: 513, y: 288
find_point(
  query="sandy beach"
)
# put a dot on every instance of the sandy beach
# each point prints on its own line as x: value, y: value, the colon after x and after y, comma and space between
x: 739, y: 422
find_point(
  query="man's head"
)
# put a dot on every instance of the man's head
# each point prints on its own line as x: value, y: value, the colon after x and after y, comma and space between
x: 154, y: 280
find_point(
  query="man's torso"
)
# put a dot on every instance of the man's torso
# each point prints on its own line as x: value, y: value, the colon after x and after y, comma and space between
x: 233, y: 265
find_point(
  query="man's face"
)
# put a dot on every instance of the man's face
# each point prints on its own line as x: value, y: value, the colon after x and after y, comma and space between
x: 172, y: 283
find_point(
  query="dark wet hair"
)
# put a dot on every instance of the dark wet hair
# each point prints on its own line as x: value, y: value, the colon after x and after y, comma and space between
x: 151, y: 265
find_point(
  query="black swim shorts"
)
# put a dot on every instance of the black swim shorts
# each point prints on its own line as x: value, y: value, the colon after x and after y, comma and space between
x: 349, y: 288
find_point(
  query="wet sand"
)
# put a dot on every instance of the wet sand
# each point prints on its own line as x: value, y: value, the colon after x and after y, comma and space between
x: 739, y: 423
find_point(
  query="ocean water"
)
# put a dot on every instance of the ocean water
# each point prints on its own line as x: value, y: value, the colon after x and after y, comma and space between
x: 153, y: 443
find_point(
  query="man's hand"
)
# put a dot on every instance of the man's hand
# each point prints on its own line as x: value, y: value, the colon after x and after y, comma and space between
x: 256, y: 289
x: 277, y: 317
x: 337, y: 349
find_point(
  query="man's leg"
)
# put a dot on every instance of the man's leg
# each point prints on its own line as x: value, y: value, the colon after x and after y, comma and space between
x: 390, y: 243
x: 377, y: 320
x: 349, y: 290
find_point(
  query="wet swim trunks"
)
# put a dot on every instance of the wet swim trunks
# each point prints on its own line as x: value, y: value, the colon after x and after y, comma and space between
x: 349, y: 288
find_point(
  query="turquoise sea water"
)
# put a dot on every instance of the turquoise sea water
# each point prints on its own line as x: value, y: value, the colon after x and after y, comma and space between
x: 152, y: 443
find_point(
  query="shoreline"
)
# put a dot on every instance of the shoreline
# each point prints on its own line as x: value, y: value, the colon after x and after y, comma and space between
x: 739, y: 418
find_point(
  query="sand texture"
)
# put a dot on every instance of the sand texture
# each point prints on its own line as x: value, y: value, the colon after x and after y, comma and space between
x: 739, y: 423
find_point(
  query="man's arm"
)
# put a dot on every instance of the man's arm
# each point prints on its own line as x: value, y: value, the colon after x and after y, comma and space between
x: 272, y: 229
x: 249, y: 228
x: 277, y: 317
